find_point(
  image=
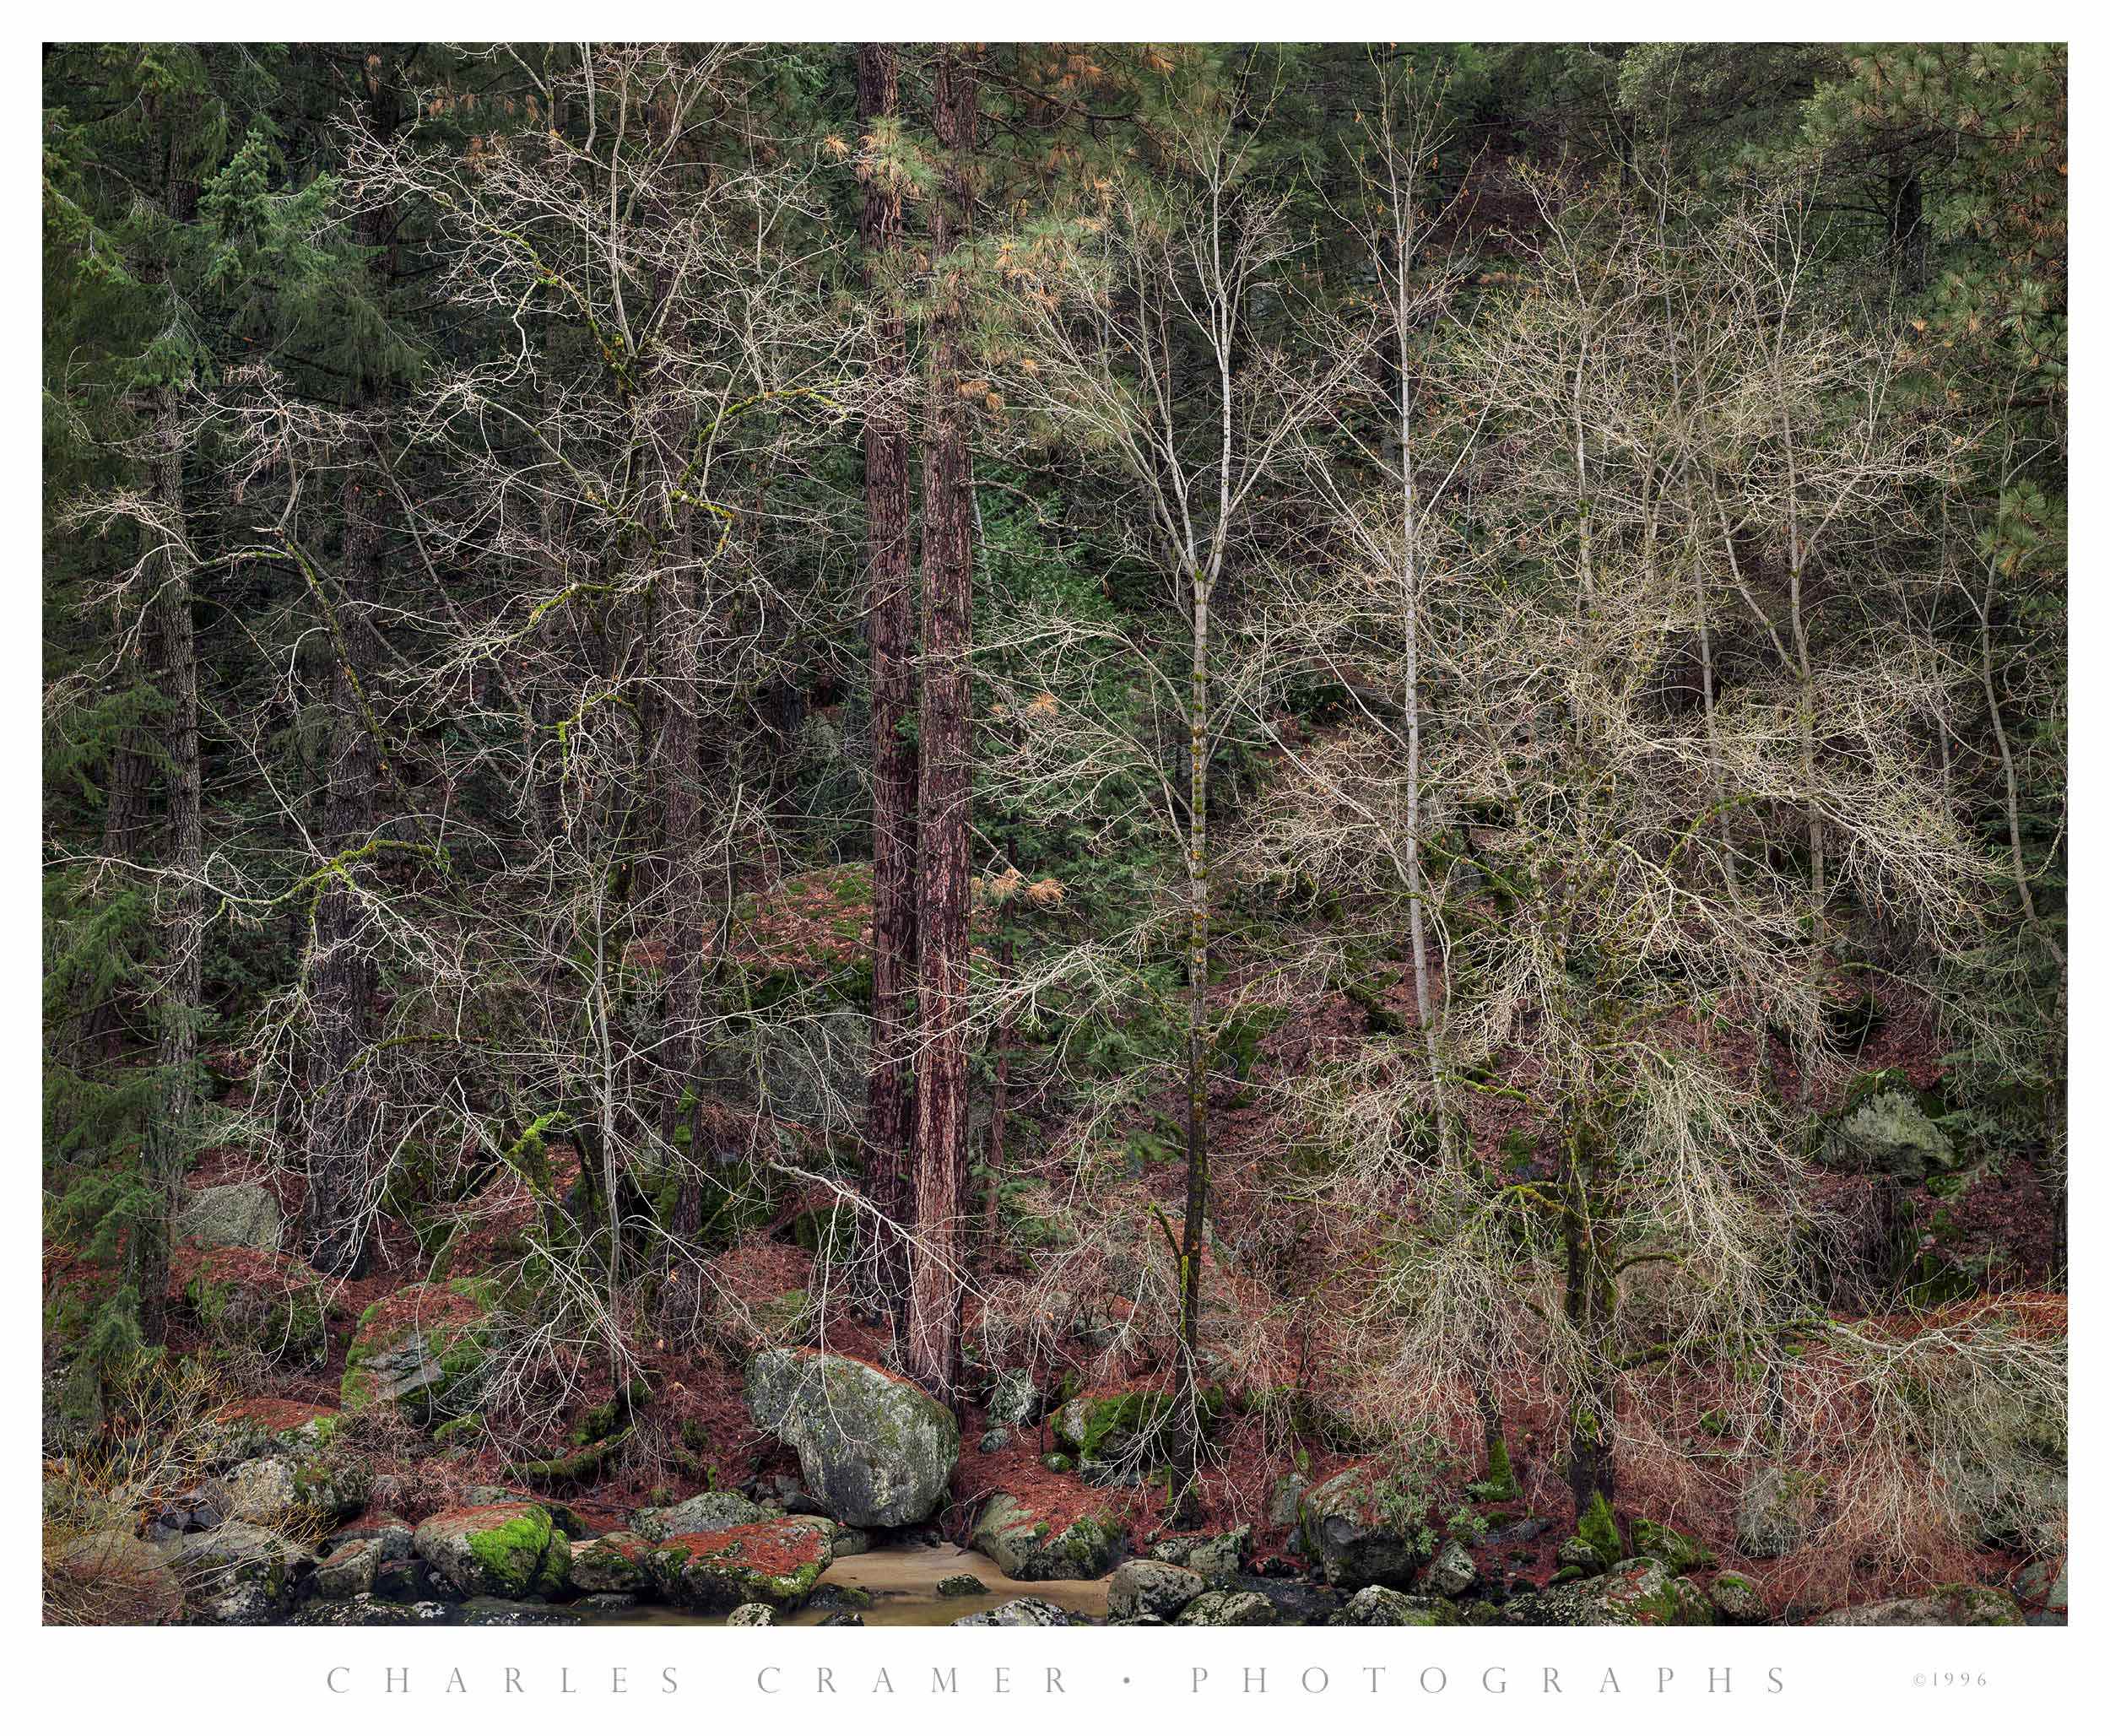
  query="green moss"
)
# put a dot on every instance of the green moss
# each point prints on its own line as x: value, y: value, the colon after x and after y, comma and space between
x: 1500, y: 1482
x: 1599, y: 1530
x: 1677, y: 1552
x: 513, y: 1553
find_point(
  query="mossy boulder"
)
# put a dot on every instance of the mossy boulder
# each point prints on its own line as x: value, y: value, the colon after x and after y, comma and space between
x: 1739, y: 1599
x: 250, y: 1299
x: 614, y: 1562
x: 1678, y: 1553
x: 1379, y: 1606
x: 716, y: 1509
x: 777, y: 1562
x: 752, y: 1615
x: 262, y: 1428
x: 1371, y: 1525
x: 1152, y: 1588
x: 1031, y: 1544
x: 1020, y: 1612
x: 424, y: 1350
x: 1114, y: 1425
x: 1889, y: 1133
x: 237, y: 1214
x: 237, y: 1573
x: 286, y: 1492
x: 875, y: 1448
x: 1634, y: 1594
x: 1228, y: 1610
x: 513, y: 1549
x: 1938, y: 1606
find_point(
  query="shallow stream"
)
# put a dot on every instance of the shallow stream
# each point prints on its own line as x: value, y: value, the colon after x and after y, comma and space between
x: 904, y: 1587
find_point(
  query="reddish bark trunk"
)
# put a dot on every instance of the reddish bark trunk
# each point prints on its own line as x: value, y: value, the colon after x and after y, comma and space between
x: 888, y: 1109
x: 937, y: 1290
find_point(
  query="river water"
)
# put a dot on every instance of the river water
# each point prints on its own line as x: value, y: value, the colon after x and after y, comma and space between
x: 904, y: 1587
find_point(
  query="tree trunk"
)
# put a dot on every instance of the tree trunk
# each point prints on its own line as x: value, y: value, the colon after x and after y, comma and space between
x: 936, y: 1277
x: 1193, y: 1228
x: 126, y: 812
x: 343, y: 1122
x: 892, y: 635
x: 170, y: 1127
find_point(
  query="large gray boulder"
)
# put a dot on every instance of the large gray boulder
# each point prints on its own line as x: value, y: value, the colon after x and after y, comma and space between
x: 237, y: 1214
x: 1379, y: 1606
x: 1367, y: 1526
x: 876, y: 1449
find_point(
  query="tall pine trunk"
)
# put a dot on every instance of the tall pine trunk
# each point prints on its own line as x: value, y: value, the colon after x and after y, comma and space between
x: 170, y: 1128
x: 892, y: 633
x: 937, y: 1291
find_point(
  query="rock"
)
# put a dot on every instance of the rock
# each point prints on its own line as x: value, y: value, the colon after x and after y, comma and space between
x: 1634, y: 1594
x: 1020, y: 1612
x: 424, y: 1350
x: 1059, y: 1462
x: 994, y: 1441
x: 612, y: 1563
x: 1285, y: 1501
x: 777, y: 1562
x: 1367, y: 1528
x: 1297, y: 1602
x: 2044, y: 1584
x: 856, y: 1599
x: 243, y: 1606
x: 1228, y: 1610
x: 752, y: 1615
x: 412, y: 1581
x: 503, y: 1612
x: 1738, y: 1600
x: 961, y: 1585
x: 1451, y: 1574
x: 263, y: 1428
x: 1939, y: 1606
x: 1124, y: 1429
x: 1774, y: 1514
x: 850, y: 1541
x: 239, y: 1214
x: 1678, y: 1553
x: 875, y: 1448
x: 1379, y: 1606
x: 257, y: 1300
x: 1026, y: 1545
x: 606, y: 1604
x: 1152, y: 1588
x: 213, y: 1566
x: 718, y: 1511
x: 842, y: 1618
x: 1015, y: 1401
x: 513, y: 1551
x: 1889, y: 1134
x: 282, y: 1492
x: 112, y: 1578
x: 1218, y: 1558
x: 1518, y: 1532
x: 347, y: 1572
x: 366, y: 1610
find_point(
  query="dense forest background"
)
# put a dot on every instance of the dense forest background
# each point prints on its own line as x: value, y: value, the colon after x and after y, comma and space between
x: 1330, y: 781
